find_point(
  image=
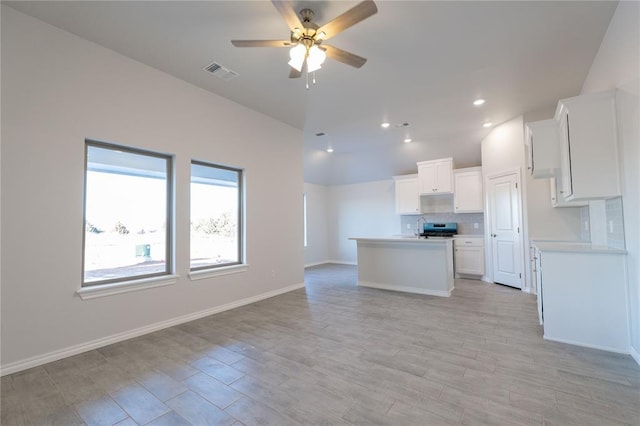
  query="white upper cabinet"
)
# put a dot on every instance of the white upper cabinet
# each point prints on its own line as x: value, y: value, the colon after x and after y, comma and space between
x: 467, y: 196
x: 407, y: 195
x: 558, y: 201
x: 543, y: 140
x: 435, y: 177
x: 588, y: 147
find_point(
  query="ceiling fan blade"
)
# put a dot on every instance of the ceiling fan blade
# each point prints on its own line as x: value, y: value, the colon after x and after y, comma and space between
x: 344, y: 56
x: 288, y: 13
x: 294, y: 73
x: 351, y: 17
x: 261, y: 43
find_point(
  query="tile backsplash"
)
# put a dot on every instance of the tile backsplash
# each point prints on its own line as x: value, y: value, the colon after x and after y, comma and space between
x: 615, y: 223
x: 465, y: 221
x: 585, y: 228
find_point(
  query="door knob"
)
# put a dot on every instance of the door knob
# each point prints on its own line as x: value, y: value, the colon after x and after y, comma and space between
x: 494, y: 235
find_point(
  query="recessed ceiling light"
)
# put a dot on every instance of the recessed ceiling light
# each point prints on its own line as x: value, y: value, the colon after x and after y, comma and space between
x: 329, y: 149
x: 487, y: 124
x: 385, y: 125
x: 407, y: 140
x: 478, y: 102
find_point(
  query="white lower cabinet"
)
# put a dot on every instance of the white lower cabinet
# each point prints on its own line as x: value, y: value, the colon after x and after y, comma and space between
x: 582, y: 297
x: 469, y: 256
x: 536, y: 275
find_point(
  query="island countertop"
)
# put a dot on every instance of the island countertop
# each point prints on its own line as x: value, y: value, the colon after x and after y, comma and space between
x: 399, y: 263
x: 407, y: 239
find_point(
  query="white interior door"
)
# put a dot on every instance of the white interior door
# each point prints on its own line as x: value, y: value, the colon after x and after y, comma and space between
x: 505, y: 230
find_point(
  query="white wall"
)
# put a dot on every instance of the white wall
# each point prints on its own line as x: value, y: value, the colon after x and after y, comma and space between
x: 504, y: 149
x: 317, y: 249
x: 617, y: 65
x: 359, y: 210
x: 58, y: 90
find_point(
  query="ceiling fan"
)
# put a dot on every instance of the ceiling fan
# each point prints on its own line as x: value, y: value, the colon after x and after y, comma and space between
x: 307, y: 38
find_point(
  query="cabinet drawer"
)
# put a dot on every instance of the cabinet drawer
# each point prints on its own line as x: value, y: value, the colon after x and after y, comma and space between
x: 468, y: 242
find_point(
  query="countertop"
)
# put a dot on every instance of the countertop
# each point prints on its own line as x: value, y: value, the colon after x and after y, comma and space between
x: 407, y: 239
x: 574, y: 247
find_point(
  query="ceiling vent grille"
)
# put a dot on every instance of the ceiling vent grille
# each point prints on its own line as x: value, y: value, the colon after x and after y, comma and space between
x: 219, y: 71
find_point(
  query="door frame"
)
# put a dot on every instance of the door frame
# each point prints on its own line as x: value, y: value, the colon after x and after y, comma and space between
x: 517, y: 171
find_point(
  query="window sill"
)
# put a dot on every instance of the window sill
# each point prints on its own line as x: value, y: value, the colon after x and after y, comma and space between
x: 104, y: 290
x: 214, y: 272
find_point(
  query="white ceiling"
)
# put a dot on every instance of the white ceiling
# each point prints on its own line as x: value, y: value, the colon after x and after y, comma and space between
x: 427, y: 61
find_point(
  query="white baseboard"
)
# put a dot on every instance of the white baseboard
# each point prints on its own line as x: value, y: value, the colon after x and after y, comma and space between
x: 634, y: 354
x: 115, y: 338
x: 309, y: 265
x: 326, y: 262
x: 341, y: 262
x: 405, y: 289
x: 602, y: 348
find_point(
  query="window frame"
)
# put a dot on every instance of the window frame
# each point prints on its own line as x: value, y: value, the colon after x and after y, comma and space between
x: 169, y: 222
x: 232, y: 266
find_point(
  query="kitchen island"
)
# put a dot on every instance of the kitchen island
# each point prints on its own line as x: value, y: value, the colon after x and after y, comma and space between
x: 414, y: 265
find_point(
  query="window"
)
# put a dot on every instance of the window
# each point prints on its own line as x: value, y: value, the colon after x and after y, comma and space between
x: 216, y: 216
x: 127, y: 214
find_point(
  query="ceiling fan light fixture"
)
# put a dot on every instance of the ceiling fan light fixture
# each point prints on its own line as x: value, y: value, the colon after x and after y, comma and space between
x: 297, y: 55
x: 315, y: 58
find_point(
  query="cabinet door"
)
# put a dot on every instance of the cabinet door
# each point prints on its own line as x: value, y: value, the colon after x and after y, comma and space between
x: 558, y: 200
x: 407, y: 196
x: 537, y: 279
x: 565, y: 157
x: 427, y: 178
x: 444, y: 181
x: 589, y: 147
x: 543, y: 139
x: 469, y: 260
x: 468, y: 192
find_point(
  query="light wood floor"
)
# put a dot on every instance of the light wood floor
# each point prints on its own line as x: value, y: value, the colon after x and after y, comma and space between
x: 334, y: 353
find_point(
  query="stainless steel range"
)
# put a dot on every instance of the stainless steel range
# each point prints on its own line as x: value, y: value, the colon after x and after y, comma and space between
x: 433, y: 229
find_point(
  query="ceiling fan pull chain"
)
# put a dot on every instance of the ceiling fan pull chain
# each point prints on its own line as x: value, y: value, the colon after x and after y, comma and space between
x: 314, y: 77
x: 307, y: 81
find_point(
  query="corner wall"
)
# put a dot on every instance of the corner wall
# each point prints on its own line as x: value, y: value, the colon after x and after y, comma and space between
x: 617, y: 65
x: 359, y: 210
x: 317, y: 249
x: 87, y: 91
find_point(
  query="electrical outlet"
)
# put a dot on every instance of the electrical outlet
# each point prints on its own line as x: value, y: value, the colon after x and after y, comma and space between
x: 475, y: 225
x: 611, y: 226
x: 408, y: 226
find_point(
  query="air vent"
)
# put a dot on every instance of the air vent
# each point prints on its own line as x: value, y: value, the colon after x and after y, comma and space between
x: 220, y: 71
